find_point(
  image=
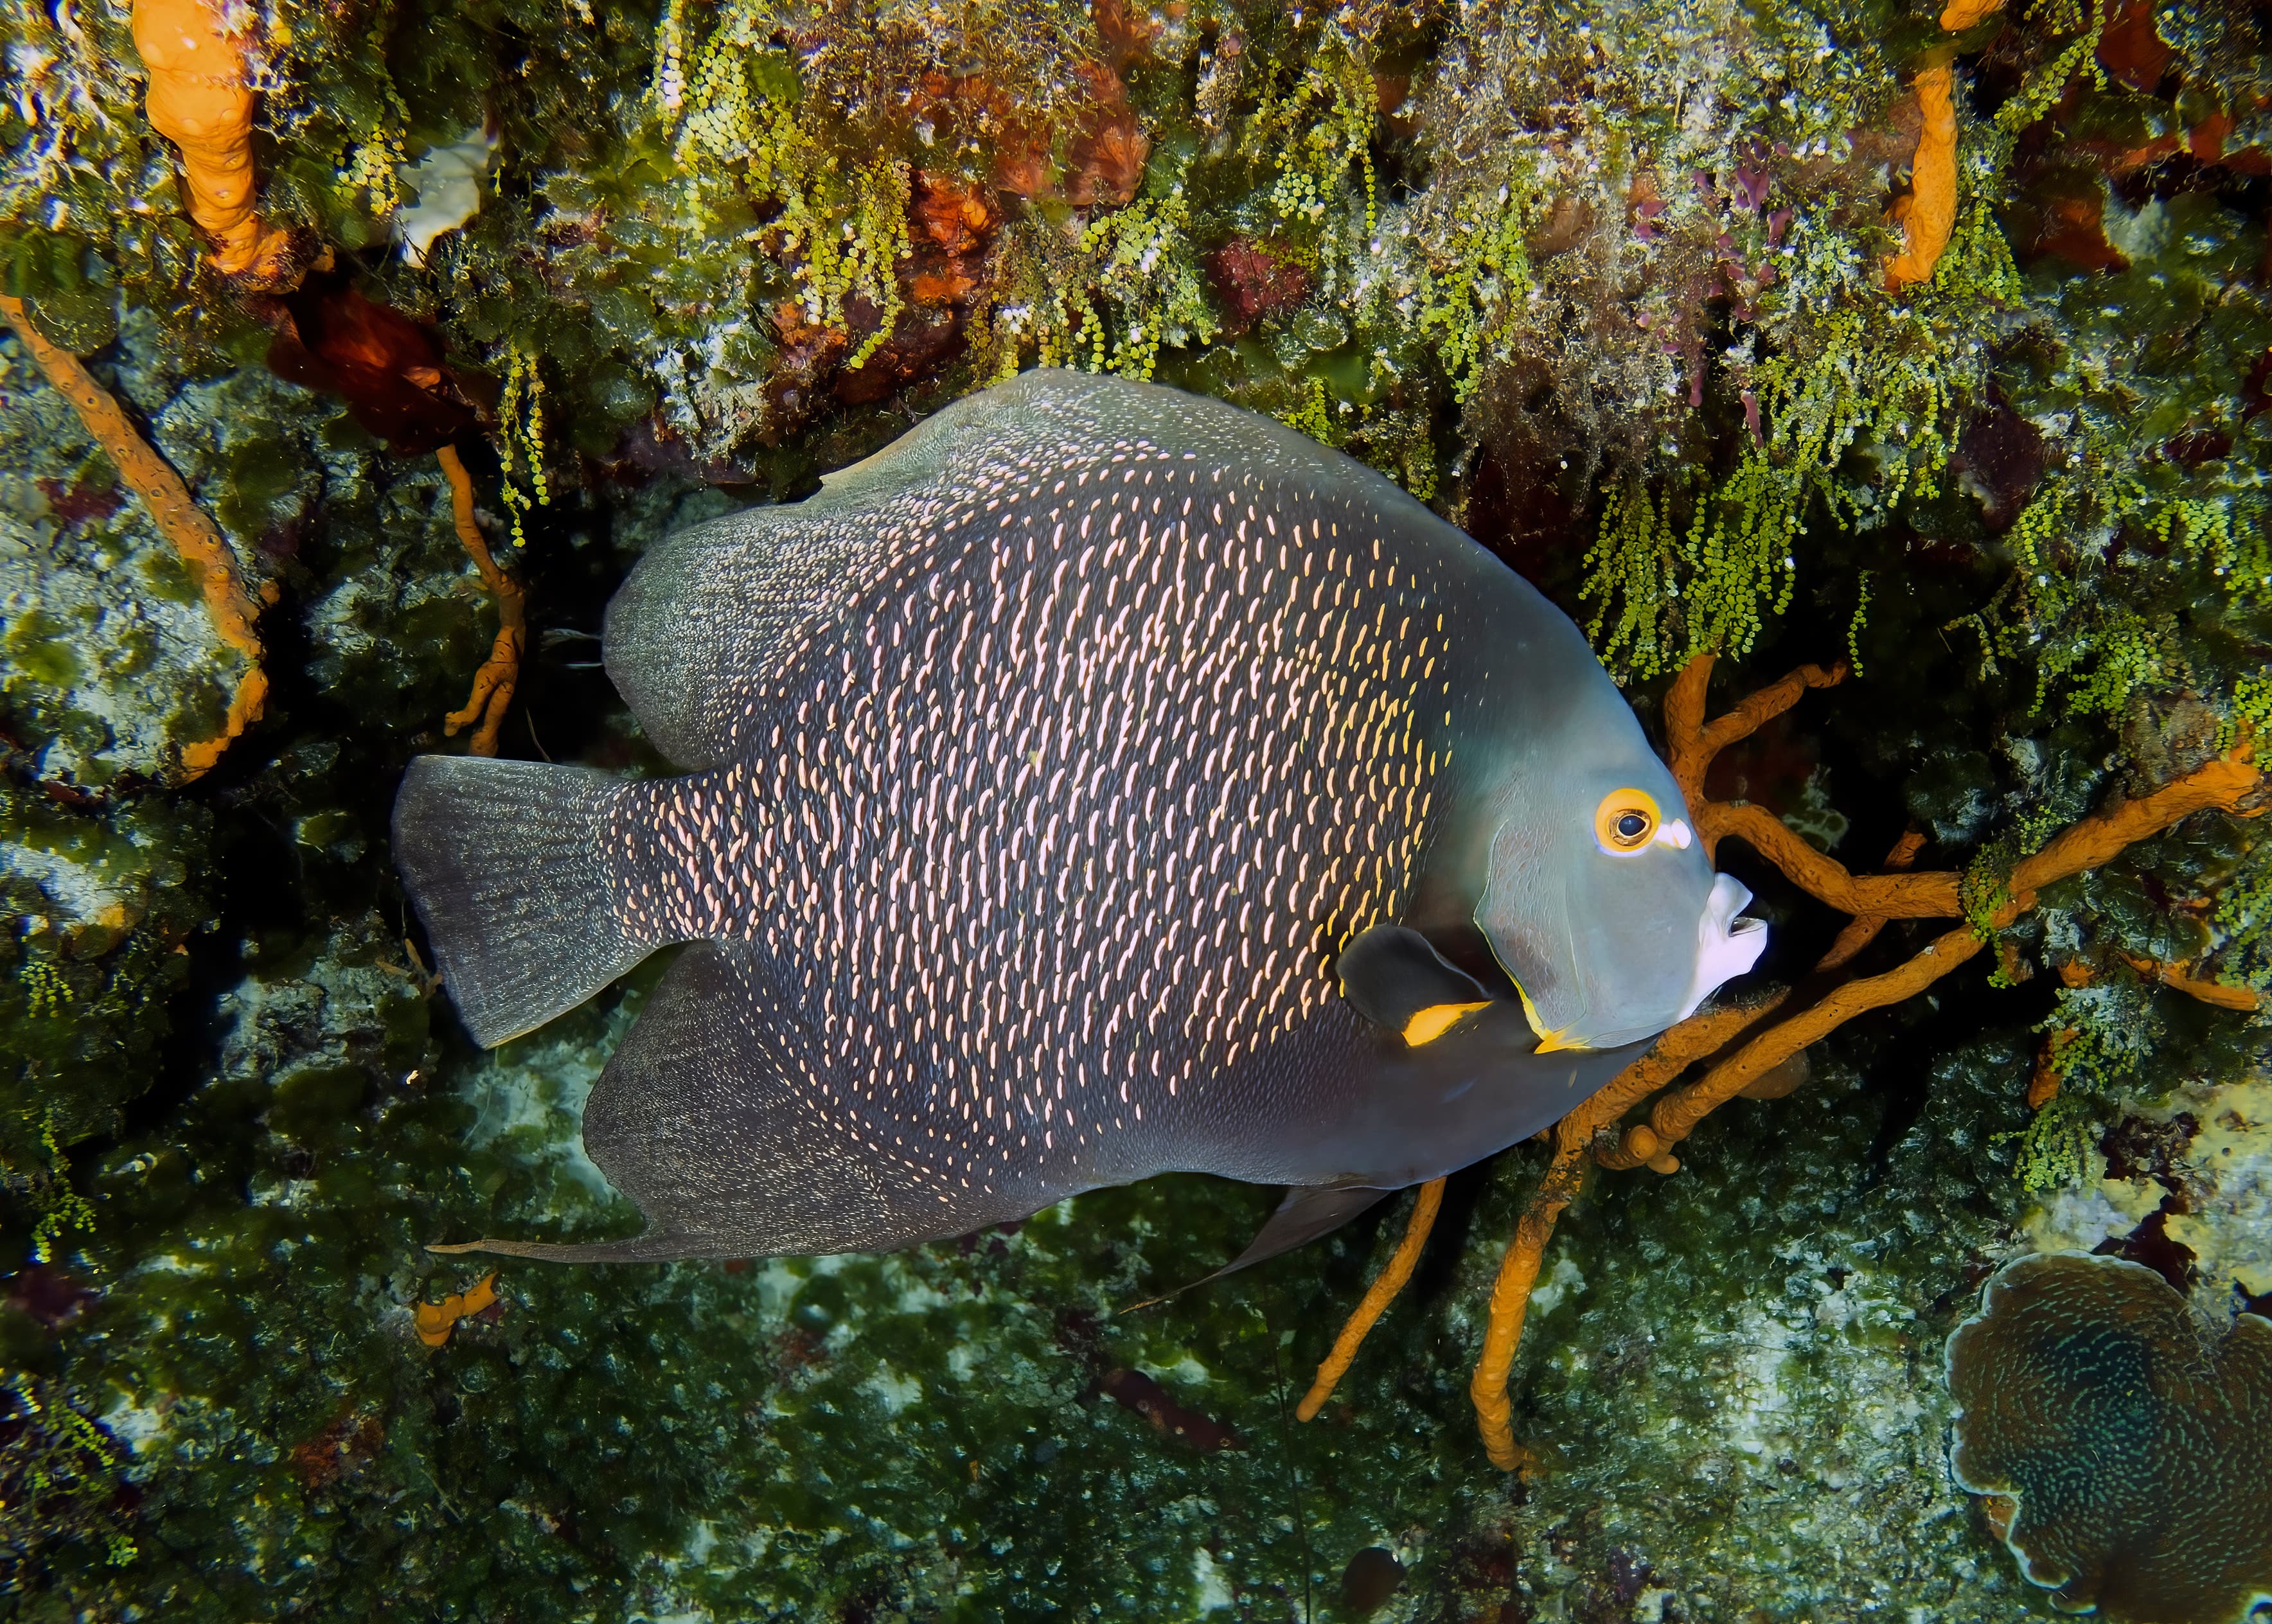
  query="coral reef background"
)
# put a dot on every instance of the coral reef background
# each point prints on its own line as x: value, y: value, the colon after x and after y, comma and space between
x: 1936, y: 342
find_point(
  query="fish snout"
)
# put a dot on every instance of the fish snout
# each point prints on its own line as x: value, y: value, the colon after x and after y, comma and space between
x: 1727, y: 945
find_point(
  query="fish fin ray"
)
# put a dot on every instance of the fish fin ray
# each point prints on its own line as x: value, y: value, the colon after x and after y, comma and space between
x: 505, y: 863
x: 650, y: 1247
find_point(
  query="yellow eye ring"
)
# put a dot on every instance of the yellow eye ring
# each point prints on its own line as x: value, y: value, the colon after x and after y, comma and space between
x: 1625, y: 821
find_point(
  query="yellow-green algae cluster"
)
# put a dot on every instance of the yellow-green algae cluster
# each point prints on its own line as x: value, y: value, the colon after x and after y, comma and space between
x: 1602, y: 282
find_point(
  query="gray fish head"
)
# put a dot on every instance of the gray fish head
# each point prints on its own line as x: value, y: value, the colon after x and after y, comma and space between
x: 1600, y: 902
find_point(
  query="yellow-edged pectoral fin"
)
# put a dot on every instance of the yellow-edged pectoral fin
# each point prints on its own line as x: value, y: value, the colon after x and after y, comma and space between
x: 1426, y: 1026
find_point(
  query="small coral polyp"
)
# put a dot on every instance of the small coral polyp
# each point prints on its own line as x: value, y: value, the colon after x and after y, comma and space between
x: 2137, y: 1447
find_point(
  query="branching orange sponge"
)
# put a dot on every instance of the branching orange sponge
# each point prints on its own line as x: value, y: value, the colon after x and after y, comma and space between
x: 494, y: 682
x: 201, y: 100
x: 179, y: 519
x: 1738, y: 1045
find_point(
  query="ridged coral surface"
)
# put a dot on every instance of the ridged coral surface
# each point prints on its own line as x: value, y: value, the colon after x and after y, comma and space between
x: 2138, y: 1449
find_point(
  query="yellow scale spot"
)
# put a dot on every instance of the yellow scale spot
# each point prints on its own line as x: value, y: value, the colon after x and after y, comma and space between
x: 1426, y: 1026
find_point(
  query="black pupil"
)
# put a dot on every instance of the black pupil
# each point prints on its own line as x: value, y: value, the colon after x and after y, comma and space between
x: 1631, y: 825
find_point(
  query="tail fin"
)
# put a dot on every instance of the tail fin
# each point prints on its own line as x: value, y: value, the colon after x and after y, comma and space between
x: 506, y: 862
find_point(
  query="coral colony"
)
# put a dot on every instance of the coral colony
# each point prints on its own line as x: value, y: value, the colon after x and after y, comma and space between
x: 1881, y: 390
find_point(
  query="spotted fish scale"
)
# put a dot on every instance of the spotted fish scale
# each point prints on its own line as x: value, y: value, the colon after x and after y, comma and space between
x: 1009, y: 921
x: 1047, y: 766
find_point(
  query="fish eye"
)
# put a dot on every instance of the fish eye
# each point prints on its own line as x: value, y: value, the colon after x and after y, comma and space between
x: 1625, y: 821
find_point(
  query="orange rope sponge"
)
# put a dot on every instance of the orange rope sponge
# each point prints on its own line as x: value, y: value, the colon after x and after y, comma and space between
x: 1928, y: 214
x: 179, y: 519
x: 2223, y: 783
x: 1862, y: 929
x: 2094, y: 840
x: 435, y: 1321
x: 1873, y: 898
x: 1935, y: 895
x: 500, y: 673
x: 2218, y: 994
x: 1691, y: 743
x: 1510, y: 1297
x: 1678, y: 1112
x: 200, y: 101
x: 1672, y: 1053
x: 1378, y: 1296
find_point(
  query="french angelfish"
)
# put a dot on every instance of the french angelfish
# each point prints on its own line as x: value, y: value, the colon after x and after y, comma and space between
x: 1100, y: 781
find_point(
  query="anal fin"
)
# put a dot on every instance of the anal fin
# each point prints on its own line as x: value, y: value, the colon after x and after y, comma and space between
x: 699, y: 1119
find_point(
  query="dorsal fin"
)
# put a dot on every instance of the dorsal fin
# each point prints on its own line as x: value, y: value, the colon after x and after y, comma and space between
x: 710, y: 607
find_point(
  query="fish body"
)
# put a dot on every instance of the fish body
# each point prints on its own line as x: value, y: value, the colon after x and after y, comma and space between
x: 1101, y: 781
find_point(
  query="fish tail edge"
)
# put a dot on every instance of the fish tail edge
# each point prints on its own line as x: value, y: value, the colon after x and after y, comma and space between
x: 506, y: 864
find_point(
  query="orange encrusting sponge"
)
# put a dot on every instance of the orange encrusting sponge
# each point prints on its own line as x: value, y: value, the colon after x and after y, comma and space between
x: 199, y: 101
x: 1928, y: 214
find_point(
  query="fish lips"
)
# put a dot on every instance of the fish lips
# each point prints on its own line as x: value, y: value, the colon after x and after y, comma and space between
x: 1727, y: 944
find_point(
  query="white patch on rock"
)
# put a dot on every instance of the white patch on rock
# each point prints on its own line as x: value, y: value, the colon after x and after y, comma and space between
x: 447, y: 183
x: 779, y: 1281
x: 1213, y: 1591
x: 1186, y: 1372
x: 1563, y: 1280
x: 2076, y: 1217
x: 138, y: 1427
x: 891, y: 1389
x: 2135, y: 234
x: 911, y: 1293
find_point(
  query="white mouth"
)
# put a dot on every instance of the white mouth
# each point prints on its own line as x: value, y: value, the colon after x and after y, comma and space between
x: 1727, y: 946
